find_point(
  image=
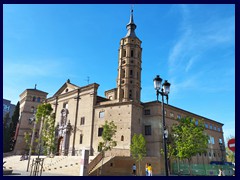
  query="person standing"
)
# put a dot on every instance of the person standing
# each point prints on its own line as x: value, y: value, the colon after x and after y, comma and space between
x: 146, y: 169
x: 149, y: 170
x: 134, y: 170
x: 220, y: 172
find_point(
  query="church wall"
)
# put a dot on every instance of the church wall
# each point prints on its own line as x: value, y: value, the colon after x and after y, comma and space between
x: 121, y: 116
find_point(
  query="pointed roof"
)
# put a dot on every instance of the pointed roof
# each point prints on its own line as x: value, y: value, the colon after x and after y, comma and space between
x: 65, y: 86
x: 131, y: 26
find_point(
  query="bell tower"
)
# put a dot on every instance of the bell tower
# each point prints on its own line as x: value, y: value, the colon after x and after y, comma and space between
x: 129, y: 66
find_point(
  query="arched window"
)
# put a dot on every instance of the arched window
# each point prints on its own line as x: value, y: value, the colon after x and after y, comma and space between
x: 122, y: 138
x: 34, y: 98
x: 38, y: 99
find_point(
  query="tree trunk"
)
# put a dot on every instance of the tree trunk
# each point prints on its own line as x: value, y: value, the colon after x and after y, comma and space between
x: 139, y: 168
x: 101, y: 169
x: 189, y: 165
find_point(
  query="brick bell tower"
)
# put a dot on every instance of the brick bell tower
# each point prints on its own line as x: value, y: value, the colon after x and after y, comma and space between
x: 29, y: 100
x: 129, y: 66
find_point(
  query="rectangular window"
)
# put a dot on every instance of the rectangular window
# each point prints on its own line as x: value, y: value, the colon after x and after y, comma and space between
x: 211, y: 140
x: 65, y: 105
x: 148, y: 130
x: 82, y: 122
x: 210, y: 126
x: 131, y: 72
x: 131, y: 53
x: 147, y: 112
x: 101, y: 114
x: 214, y: 128
x: 124, y: 53
x: 171, y: 115
x: 206, y: 125
x: 165, y: 112
x: 220, y: 141
x: 178, y: 116
x: 81, y: 139
x: 100, y: 131
x: 196, y: 122
x: 219, y: 129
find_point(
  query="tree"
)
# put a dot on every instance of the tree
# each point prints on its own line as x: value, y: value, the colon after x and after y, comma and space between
x: 138, y: 149
x: 189, y: 139
x: 13, y: 125
x: 230, y: 154
x: 171, y: 149
x: 45, y: 118
x: 109, y: 130
x: 6, y: 133
x: 48, y: 135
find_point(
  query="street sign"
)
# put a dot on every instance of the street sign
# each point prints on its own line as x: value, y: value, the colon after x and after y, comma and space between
x: 231, y: 144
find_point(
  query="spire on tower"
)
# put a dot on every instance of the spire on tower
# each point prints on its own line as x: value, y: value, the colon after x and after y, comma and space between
x: 131, y: 26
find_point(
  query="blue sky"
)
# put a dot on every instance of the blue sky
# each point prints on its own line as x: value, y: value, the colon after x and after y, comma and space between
x: 192, y: 46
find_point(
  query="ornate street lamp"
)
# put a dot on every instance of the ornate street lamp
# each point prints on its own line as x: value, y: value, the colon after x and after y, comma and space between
x: 163, y: 90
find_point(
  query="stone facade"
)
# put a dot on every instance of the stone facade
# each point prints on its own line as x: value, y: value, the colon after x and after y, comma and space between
x: 29, y: 100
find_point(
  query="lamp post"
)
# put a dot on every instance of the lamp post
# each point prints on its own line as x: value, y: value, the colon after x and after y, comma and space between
x: 163, y: 90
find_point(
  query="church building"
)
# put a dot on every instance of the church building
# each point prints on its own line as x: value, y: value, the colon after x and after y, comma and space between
x: 81, y: 113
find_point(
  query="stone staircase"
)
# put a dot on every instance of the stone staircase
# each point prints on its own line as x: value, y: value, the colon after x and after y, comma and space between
x: 56, y: 166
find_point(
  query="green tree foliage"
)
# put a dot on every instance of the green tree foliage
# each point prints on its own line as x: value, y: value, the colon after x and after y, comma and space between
x: 109, y: 130
x: 189, y: 139
x: 138, y: 149
x: 45, y: 117
x: 13, y: 126
x: 6, y: 133
x: 9, y: 129
x: 171, y: 150
x: 48, y: 135
x: 229, y: 153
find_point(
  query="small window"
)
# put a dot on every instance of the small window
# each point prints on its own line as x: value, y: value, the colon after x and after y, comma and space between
x: 165, y: 112
x: 196, y: 122
x: 81, y: 139
x: 132, y: 53
x: 130, y: 94
x: 65, y: 105
x: 147, y: 112
x: 211, y: 140
x: 209, y: 154
x: 38, y: 99
x: 124, y: 53
x: 220, y: 141
x: 66, y: 90
x: 82, y: 122
x: 101, y: 114
x: 214, y: 128
x: 210, y: 126
x: 34, y: 98
x: 100, y: 131
x: 122, y: 138
x: 206, y: 125
x: 219, y: 129
x: 178, y: 116
x: 131, y: 72
x: 171, y: 115
x: 148, y: 130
